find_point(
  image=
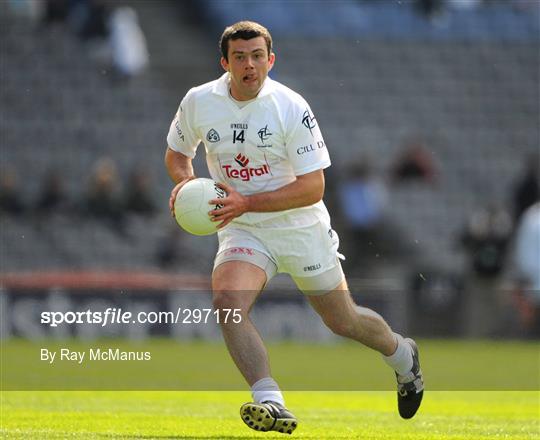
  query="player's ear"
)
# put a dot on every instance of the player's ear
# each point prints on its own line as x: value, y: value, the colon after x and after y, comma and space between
x: 224, y: 63
x: 271, y: 60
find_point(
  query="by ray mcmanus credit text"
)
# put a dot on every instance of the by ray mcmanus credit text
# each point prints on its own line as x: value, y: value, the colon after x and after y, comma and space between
x: 92, y: 354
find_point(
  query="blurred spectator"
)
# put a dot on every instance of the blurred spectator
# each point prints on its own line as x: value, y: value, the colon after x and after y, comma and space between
x: 527, y: 263
x: 435, y: 300
x: 10, y: 196
x: 414, y: 163
x: 431, y: 9
x: 138, y: 196
x: 88, y: 18
x: 53, y: 197
x: 102, y: 199
x: 486, y: 239
x: 362, y: 196
x: 527, y: 190
x: 56, y: 11
x: 363, y: 199
x: 129, y: 51
x: 167, y: 250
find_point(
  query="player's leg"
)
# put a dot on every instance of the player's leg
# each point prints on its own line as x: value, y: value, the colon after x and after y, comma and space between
x: 236, y: 285
x: 238, y: 279
x: 340, y: 313
x: 329, y: 295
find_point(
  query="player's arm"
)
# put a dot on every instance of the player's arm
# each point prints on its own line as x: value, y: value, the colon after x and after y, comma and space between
x: 182, y: 141
x: 306, y: 190
x: 180, y: 170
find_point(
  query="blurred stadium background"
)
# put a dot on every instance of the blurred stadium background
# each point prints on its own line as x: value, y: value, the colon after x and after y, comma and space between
x: 430, y: 109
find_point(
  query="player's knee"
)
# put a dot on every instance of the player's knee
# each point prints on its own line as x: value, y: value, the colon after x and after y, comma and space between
x: 223, y: 300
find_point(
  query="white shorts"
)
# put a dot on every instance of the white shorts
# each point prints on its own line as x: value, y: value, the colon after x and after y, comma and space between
x: 308, y: 253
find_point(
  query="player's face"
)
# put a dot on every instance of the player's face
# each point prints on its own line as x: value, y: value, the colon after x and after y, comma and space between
x: 248, y: 66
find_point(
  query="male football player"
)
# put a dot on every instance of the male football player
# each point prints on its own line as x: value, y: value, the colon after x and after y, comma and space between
x: 265, y: 149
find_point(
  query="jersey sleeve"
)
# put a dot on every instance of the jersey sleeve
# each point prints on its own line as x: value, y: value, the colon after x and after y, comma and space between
x: 182, y: 135
x: 304, y: 142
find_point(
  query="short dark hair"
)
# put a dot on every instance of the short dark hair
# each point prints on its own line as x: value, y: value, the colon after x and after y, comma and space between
x: 244, y: 30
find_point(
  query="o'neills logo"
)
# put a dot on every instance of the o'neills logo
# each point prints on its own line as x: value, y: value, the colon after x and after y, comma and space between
x: 245, y: 174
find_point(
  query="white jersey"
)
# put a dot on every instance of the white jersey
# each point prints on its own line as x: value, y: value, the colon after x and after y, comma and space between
x: 260, y: 147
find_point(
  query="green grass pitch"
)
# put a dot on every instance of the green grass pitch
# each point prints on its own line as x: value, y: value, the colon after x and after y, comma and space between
x: 214, y: 415
x: 476, y: 366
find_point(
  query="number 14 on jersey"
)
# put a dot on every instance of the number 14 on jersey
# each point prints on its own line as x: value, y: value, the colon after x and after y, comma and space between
x: 238, y: 136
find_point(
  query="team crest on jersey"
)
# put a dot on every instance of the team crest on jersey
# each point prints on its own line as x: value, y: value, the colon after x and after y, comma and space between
x: 308, y: 121
x: 264, y: 134
x: 212, y: 136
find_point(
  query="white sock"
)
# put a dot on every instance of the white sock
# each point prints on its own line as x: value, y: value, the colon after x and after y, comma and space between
x: 401, y: 361
x: 267, y: 389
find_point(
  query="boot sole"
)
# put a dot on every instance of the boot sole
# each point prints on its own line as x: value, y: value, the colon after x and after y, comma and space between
x: 257, y: 417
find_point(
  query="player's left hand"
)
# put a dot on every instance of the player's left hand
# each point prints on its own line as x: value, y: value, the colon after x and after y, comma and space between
x: 234, y: 205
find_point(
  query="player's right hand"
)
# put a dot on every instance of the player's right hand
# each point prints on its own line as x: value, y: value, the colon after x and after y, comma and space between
x: 174, y: 192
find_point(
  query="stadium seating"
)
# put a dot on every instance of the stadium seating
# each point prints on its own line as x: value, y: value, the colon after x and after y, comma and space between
x: 469, y: 90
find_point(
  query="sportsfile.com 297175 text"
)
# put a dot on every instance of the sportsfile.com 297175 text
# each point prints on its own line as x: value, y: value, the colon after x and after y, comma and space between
x: 114, y: 315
